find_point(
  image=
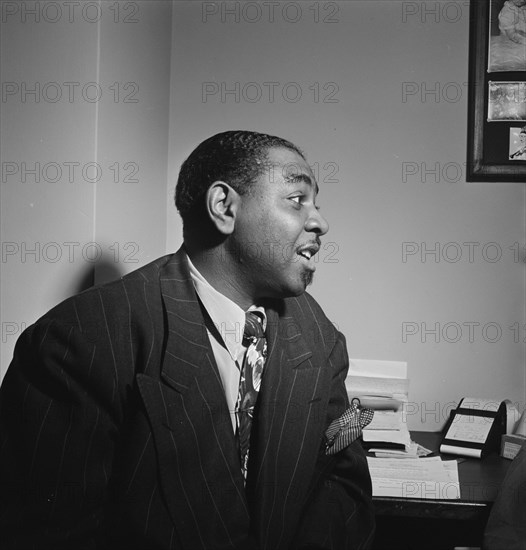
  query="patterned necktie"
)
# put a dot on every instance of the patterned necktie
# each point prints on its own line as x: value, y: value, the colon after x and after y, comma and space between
x: 250, y: 381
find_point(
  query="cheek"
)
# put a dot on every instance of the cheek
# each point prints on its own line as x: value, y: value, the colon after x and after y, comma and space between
x: 276, y: 235
x: 283, y: 242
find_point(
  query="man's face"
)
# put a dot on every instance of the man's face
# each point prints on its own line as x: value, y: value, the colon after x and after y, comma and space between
x: 278, y: 228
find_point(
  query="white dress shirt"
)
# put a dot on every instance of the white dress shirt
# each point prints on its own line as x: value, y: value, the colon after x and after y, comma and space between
x: 229, y: 320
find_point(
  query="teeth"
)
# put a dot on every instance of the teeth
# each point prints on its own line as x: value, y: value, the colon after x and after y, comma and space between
x: 306, y: 254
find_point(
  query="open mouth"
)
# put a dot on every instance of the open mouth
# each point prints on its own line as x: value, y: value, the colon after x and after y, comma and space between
x: 308, y: 252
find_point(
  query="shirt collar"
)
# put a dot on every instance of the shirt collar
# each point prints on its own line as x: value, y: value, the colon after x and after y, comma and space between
x: 227, y: 316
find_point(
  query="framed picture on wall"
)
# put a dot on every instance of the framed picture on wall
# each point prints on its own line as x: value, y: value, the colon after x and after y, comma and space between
x: 497, y: 91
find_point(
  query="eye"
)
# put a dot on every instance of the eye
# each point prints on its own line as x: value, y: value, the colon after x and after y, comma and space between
x: 298, y: 199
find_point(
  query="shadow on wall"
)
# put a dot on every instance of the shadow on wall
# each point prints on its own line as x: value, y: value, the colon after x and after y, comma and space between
x: 102, y: 271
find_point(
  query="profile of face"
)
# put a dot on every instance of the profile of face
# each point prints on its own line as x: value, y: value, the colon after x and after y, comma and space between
x: 278, y: 228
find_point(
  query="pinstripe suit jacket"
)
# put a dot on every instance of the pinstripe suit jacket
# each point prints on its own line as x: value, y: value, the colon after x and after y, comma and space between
x: 116, y: 434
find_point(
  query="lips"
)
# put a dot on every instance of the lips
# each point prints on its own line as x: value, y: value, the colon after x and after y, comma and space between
x: 308, y: 251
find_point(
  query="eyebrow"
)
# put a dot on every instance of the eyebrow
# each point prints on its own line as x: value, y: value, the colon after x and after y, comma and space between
x: 302, y: 177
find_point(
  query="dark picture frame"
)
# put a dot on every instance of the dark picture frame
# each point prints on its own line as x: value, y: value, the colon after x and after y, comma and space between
x: 489, y: 152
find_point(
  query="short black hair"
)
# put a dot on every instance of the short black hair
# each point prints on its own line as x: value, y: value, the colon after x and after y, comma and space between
x: 237, y: 157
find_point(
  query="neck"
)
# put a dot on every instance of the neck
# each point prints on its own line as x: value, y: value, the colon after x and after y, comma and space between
x: 218, y: 267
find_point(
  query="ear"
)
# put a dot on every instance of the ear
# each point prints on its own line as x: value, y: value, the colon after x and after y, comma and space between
x: 222, y: 202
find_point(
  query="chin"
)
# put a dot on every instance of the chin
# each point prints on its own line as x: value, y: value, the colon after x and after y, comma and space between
x: 293, y: 287
x: 307, y: 277
x: 301, y: 286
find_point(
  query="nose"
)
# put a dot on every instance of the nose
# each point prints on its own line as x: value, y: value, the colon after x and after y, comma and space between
x: 316, y: 223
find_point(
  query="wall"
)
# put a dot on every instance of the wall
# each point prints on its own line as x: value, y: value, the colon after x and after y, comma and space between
x: 84, y: 156
x: 376, y: 90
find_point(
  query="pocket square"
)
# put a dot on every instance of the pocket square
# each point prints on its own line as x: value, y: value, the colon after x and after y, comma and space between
x: 344, y: 430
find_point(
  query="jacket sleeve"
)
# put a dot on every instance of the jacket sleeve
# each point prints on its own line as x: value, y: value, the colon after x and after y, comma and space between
x: 57, y: 433
x: 339, y: 514
x: 505, y: 529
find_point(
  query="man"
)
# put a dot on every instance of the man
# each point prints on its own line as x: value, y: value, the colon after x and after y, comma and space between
x: 522, y: 148
x: 121, y: 417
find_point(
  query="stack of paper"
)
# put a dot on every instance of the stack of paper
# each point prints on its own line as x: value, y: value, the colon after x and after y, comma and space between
x: 383, y: 386
x: 425, y: 478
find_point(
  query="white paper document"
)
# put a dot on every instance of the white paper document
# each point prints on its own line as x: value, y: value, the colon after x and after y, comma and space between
x: 382, y: 386
x: 386, y: 420
x: 415, y: 450
x: 469, y: 428
x: 473, y: 429
x: 423, y: 478
x: 397, y: 437
x: 479, y: 404
x: 377, y: 369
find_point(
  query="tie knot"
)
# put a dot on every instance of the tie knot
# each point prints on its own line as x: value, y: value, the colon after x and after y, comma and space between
x: 253, y: 325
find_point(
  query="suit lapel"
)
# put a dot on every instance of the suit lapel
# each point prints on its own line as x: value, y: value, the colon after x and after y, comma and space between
x: 197, y: 453
x: 187, y: 344
x: 290, y: 421
x: 196, y: 449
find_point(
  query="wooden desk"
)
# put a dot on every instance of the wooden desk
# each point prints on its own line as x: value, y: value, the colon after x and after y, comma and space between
x: 407, y: 524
